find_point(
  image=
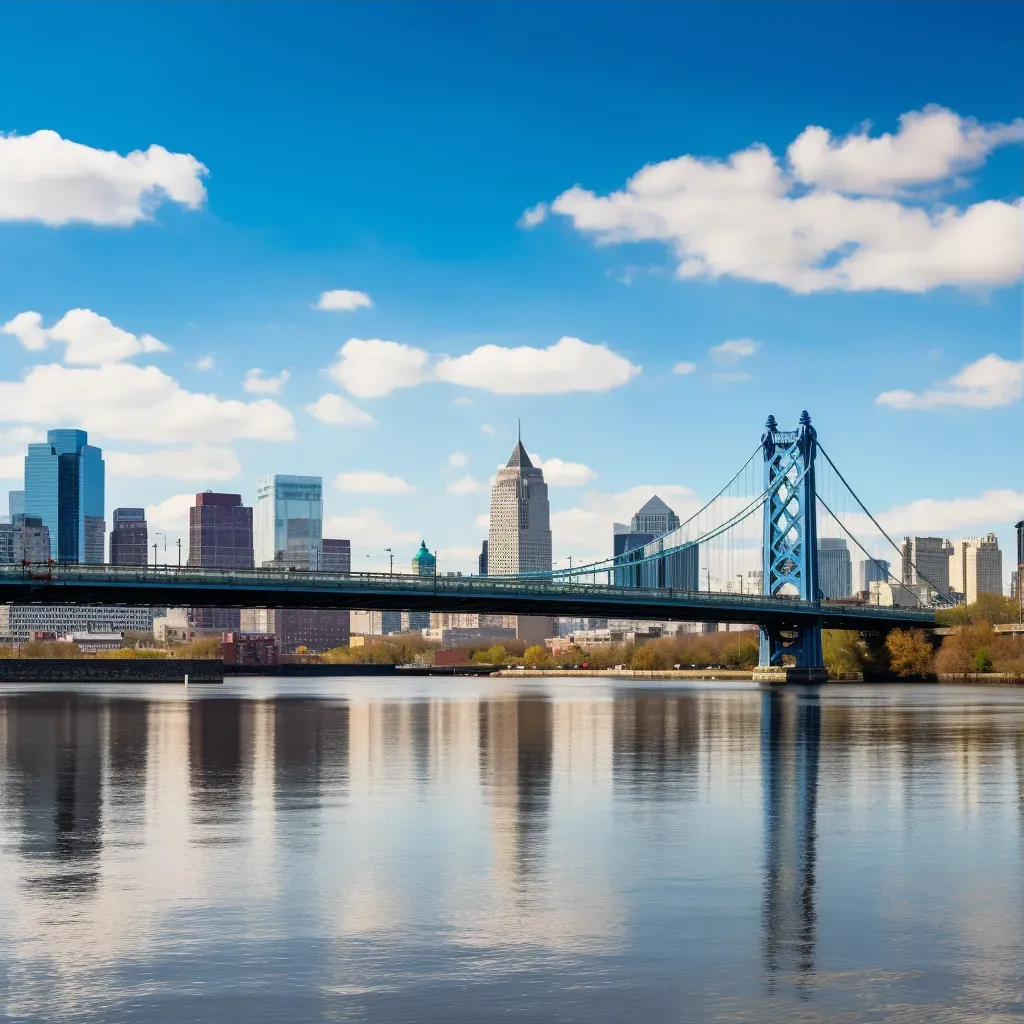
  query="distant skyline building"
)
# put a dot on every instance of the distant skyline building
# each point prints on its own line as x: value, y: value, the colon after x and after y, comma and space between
x: 18, y: 621
x: 976, y: 567
x: 15, y: 504
x: 835, y: 568
x: 423, y: 564
x: 316, y: 630
x: 654, y: 517
x: 64, y: 487
x: 872, y: 570
x: 481, y: 561
x: 926, y: 560
x: 27, y: 539
x: 219, y: 536
x: 1019, y: 590
x: 129, y: 537
x: 335, y: 555
x: 288, y: 520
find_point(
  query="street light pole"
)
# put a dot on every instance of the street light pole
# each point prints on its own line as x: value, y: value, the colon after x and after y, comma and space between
x: 391, y: 571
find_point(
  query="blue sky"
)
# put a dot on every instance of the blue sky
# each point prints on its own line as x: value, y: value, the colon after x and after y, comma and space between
x: 393, y: 149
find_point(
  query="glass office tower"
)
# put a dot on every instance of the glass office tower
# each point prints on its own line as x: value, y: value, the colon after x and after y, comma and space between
x: 288, y: 520
x: 64, y: 487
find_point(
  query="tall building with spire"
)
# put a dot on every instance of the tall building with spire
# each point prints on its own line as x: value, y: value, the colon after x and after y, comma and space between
x: 519, y: 539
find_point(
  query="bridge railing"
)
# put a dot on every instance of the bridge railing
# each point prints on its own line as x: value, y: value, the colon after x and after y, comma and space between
x: 264, y: 579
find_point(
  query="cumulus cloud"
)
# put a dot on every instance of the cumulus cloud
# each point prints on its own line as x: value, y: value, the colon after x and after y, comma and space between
x: 751, y: 216
x: 684, y: 368
x: 371, y: 481
x: 533, y: 216
x: 46, y: 178
x: 257, y: 382
x: 339, y: 412
x: 120, y: 400
x: 90, y: 339
x: 729, y: 353
x: 991, y: 381
x: 465, y: 485
x: 13, y: 445
x: 367, y: 528
x: 199, y: 462
x: 204, y: 363
x: 931, y: 145
x: 457, y: 460
x: 568, y: 365
x: 563, y: 474
x: 170, y: 515
x: 950, y: 515
x: 370, y: 367
x: 343, y: 300
x: 488, y: 429
x: 463, y: 402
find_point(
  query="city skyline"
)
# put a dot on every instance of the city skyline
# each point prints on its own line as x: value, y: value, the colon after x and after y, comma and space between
x: 185, y: 308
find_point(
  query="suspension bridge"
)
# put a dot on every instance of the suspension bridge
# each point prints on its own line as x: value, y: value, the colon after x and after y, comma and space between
x: 766, y: 530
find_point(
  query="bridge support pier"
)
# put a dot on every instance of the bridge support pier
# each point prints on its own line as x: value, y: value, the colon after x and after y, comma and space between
x: 790, y: 654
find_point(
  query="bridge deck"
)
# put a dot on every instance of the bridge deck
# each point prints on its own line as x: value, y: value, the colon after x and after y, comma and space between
x: 252, y: 588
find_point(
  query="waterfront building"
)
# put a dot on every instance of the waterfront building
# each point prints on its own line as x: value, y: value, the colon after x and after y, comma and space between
x: 926, y: 560
x: 463, y: 636
x: 174, y: 626
x: 288, y: 520
x: 249, y: 649
x: 335, y: 555
x: 18, y: 621
x: 872, y: 570
x: 835, y: 568
x: 316, y: 630
x: 976, y: 567
x: 64, y: 487
x: 376, y: 623
x: 220, y: 536
x: 519, y: 538
x: 129, y: 537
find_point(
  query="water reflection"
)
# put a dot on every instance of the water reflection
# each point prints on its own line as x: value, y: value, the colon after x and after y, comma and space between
x: 361, y: 850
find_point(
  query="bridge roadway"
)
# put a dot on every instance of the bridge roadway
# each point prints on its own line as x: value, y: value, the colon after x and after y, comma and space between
x: 174, y: 586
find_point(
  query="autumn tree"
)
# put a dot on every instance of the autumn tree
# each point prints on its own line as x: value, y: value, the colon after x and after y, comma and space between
x: 842, y: 652
x: 536, y: 657
x: 910, y: 654
x: 645, y: 659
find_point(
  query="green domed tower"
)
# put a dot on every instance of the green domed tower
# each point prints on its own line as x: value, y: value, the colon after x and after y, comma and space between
x: 423, y: 562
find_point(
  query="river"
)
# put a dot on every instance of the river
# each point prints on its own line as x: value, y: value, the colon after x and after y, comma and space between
x: 464, y: 850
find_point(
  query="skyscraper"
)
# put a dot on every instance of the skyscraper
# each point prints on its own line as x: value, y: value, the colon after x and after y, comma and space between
x: 15, y: 503
x: 423, y: 564
x: 219, y: 536
x: 25, y: 540
x: 64, y: 487
x: 129, y: 537
x: 1019, y: 592
x: 872, y: 570
x: 976, y: 567
x: 481, y: 562
x: 835, y: 568
x: 654, y: 517
x: 926, y: 561
x: 335, y: 555
x: 288, y: 520
x: 519, y: 539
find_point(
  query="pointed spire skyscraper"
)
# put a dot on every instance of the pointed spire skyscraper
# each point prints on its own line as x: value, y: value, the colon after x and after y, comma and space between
x: 519, y: 538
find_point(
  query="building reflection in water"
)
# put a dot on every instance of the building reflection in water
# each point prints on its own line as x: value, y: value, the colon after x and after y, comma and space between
x: 790, y: 744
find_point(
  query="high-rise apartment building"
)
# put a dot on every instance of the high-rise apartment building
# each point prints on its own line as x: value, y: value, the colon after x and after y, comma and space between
x: 129, y: 537
x: 835, y: 568
x: 655, y: 517
x: 288, y: 520
x: 316, y: 630
x: 519, y: 539
x: 335, y: 555
x: 872, y: 570
x: 926, y: 560
x: 219, y: 536
x: 976, y: 567
x: 64, y: 487
x: 25, y: 540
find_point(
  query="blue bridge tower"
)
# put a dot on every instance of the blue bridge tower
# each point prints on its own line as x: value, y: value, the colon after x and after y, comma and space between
x: 790, y: 549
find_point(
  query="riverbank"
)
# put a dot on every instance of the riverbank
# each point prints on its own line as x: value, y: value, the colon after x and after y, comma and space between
x: 110, y: 670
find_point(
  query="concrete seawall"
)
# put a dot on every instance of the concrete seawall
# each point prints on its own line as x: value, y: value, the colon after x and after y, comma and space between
x: 109, y: 670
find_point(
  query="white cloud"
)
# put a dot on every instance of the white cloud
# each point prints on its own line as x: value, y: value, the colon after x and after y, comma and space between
x: 463, y: 402
x: 533, y: 216
x: 991, y: 381
x: 482, y: 522
x: 457, y: 460
x: 749, y: 217
x: 256, y: 382
x: 568, y: 365
x: 563, y: 474
x: 120, y: 400
x: 931, y: 145
x: 13, y: 445
x: 53, y: 180
x: 343, y: 300
x: 204, y: 363
x: 370, y: 368
x: 684, y: 368
x: 465, y: 485
x: 368, y: 528
x: 585, y: 530
x: 170, y: 515
x: 340, y: 412
x: 931, y: 515
x: 371, y: 481
x: 199, y: 462
x: 91, y: 339
x: 488, y: 429
x: 729, y: 353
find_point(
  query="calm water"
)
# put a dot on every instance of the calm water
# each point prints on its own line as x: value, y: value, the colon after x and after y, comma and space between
x: 359, y: 850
